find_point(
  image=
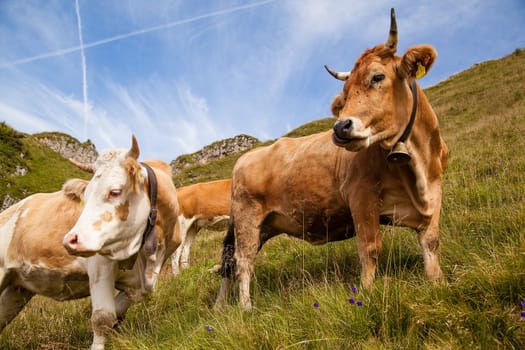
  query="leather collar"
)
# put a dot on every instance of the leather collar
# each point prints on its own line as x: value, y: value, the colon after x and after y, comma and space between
x: 408, y: 129
x: 149, y: 238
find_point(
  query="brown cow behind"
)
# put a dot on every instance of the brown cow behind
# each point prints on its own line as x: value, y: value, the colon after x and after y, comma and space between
x: 346, y: 182
x: 201, y: 205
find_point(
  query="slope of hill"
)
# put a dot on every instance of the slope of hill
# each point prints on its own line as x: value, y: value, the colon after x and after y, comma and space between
x: 213, y: 162
x: 28, y: 166
x: 479, y: 306
x: 68, y: 146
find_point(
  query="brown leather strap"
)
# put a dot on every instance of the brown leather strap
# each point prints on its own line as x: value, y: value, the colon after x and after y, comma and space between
x: 149, y: 240
x: 408, y: 129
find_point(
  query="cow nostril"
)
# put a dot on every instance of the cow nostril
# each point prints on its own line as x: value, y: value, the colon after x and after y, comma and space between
x: 72, y: 241
x: 343, y: 129
x: 346, y: 124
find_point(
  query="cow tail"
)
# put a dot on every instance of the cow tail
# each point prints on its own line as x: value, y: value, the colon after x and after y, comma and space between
x: 227, y: 269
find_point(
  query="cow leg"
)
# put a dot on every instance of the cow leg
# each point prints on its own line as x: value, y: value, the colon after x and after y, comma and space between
x: 225, y: 291
x: 122, y: 304
x: 12, y: 301
x: 369, y: 246
x: 365, y: 215
x: 175, y: 258
x: 241, y: 244
x: 186, y: 247
x: 429, y: 242
x: 247, y: 243
x: 227, y: 269
x: 101, y: 273
x: 178, y: 259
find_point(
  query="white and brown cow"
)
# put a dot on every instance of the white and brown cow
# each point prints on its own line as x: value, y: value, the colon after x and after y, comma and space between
x: 201, y: 205
x: 102, y: 222
x: 382, y: 164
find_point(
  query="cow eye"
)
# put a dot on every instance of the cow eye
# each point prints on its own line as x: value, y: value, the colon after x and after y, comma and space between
x: 377, y: 78
x: 113, y: 194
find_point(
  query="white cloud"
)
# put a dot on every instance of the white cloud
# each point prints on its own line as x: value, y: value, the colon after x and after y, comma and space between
x: 312, y: 20
x: 167, y: 115
x: 22, y: 120
x: 34, y: 29
x: 49, y: 105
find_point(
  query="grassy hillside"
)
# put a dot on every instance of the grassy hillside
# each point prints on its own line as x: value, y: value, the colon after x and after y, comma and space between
x: 482, y: 113
x: 215, y: 170
x: 45, y: 170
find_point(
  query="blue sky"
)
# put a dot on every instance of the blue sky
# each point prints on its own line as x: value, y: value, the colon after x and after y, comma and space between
x: 183, y: 74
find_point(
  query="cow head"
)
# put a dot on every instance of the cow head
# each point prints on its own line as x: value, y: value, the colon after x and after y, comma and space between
x: 376, y: 102
x: 116, y: 207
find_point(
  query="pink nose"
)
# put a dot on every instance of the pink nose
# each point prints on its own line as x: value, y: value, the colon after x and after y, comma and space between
x: 71, y: 243
x: 75, y: 247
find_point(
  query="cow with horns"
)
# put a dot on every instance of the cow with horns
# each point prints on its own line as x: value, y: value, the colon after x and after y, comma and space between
x: 90, y: 238
x: 382, y: 163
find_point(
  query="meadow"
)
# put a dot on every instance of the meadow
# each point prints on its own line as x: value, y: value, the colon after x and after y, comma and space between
x: 308, y: 297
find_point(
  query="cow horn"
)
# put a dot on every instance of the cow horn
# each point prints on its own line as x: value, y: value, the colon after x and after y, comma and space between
x: 134, y: 151
x: 338, y: 75
x: 83, y: 166
x: 391, y: 43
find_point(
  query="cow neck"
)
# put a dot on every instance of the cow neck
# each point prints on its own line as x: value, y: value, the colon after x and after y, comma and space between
x: 149, y: 239
x: 408, y: 129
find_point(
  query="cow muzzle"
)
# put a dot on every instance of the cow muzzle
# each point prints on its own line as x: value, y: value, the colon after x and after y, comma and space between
x: 74, y: 247
x: 350, y: 134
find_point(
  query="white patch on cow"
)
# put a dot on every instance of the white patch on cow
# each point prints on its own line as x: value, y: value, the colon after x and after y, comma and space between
x: 358, y: 130
x: 112, y: 227
x: 6, y: 235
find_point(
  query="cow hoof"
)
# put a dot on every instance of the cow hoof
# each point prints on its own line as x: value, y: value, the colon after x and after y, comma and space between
x: 215, y: 269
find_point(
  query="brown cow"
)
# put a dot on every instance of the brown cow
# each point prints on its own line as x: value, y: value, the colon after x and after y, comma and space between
x: 201, y: 205
x: 314, y: 188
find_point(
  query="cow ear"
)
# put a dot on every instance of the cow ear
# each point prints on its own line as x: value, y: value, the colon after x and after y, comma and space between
x: 416, y: 62
x: 134, y: 150
x: 337, y: 104
x: 134, y: 170
x: 74, y: 188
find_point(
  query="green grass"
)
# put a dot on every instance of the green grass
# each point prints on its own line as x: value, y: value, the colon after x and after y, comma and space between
x: 482, y: 254
x: 47, y: 170
x: 216, y: 170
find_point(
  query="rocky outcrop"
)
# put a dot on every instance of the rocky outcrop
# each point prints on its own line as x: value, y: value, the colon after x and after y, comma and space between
x: 7, y: 202
x: 216, y: 150
x: 69, y: 147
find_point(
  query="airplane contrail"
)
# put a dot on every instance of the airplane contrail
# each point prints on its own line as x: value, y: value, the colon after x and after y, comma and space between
x: 131, y: 34
x: 84, y: 69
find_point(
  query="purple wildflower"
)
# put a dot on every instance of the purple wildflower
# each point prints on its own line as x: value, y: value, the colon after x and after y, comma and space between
x: 353, y: 289
x: 523, y: 314
x: 351, y: 301
x: 359, y: 303
x: 523, y: 303
x: 209, y: 329
x: 316, y: 305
